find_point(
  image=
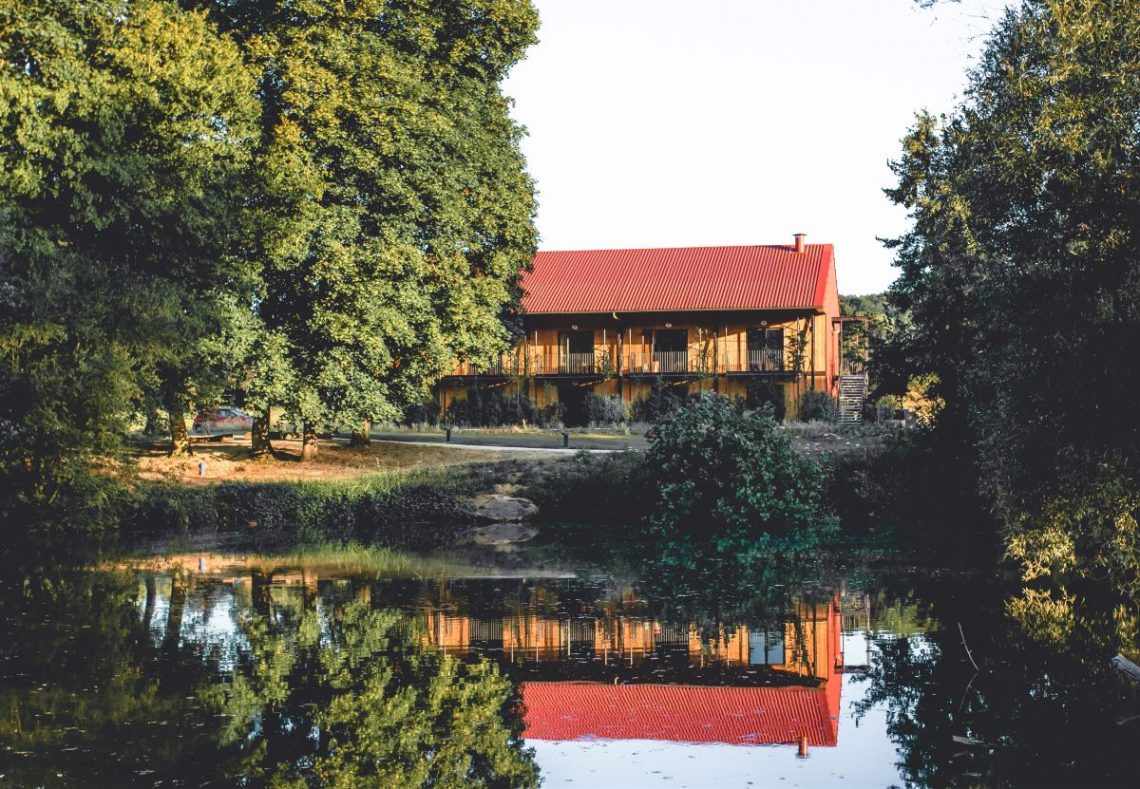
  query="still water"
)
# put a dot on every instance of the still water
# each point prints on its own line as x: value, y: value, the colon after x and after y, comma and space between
x: 228, y: 672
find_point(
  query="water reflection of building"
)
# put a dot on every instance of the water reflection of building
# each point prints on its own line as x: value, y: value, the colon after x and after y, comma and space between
x: 603, y: 669
x: 800, y: 655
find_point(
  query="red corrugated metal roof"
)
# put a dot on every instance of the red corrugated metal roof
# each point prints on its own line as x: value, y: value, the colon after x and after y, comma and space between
x: 686, y: 278
x: 683, y: 713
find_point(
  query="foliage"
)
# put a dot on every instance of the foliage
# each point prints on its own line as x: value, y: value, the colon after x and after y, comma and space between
x: 421, y: 414
x: 816, y: 406
x: 1021, y: 271
x: 359, y: 698
x: 591, y: 490
x: 1087, y: 526
x: 395, y: 213
x: 298, y: 695
x: 492, y: 407
x: 660, y: 403
x: 126, y: 134
x: 417, y: 511
x: 768, y: 395
x: 914, y: 493
x: 602, y: 410
x: 731, y: 480
x: 861, y: 339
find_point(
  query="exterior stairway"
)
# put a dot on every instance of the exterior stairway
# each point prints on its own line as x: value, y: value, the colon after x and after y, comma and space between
x: 852, y: 394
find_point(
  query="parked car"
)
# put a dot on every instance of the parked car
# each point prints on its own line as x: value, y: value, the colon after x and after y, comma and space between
x: 222, y: 421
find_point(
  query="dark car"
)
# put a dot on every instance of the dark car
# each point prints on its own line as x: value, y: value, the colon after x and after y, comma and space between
x: 222, y: 421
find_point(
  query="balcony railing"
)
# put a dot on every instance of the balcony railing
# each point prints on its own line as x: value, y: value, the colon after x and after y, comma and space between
x: 576, y: 364
x: 556, y: 361
x: 765, y: 361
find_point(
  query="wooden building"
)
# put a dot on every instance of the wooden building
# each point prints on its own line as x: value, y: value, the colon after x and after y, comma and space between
x: 756, y: 322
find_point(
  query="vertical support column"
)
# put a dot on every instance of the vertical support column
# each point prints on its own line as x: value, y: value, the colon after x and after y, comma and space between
x: 813, y: 321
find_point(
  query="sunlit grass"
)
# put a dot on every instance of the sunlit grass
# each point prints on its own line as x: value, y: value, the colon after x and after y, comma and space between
x: 352, y: 560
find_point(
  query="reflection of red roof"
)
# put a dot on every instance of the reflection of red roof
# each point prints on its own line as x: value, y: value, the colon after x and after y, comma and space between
x: 683, y: 713
x: 687, y: 278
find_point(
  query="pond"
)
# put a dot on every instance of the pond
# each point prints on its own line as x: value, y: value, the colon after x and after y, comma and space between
x: 252, y: 672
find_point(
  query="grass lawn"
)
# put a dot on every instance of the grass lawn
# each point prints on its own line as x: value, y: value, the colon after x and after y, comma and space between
x: 229, y: 461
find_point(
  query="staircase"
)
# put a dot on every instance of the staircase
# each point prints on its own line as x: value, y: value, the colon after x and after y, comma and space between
x: 852, y: 394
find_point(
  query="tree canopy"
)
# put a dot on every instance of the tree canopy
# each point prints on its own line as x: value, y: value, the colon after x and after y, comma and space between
x: 126, y: 131
x: 397, y: 213
x: 298, y: 203
x: 1021, y: 269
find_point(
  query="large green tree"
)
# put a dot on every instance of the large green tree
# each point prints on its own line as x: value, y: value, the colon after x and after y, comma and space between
x: 1021, y: 270
x: 126, y: 130
x: 396, y: 213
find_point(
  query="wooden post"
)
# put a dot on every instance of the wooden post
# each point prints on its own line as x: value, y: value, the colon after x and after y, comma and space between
x: 812, y: 319
x: 621, y: 381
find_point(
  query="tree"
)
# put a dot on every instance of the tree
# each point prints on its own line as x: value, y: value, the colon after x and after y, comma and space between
x: 396, y: 214
x: 126, y: 130
x: 1021, y: 270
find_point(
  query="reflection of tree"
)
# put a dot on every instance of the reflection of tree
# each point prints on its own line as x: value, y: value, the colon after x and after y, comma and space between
x: 358, y: 699
x: 711, y: 593
x: 89, y: 689
x: 1045, y: 701
x: 86, y: 693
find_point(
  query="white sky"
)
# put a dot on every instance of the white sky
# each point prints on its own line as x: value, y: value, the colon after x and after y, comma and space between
x: 703, y: 122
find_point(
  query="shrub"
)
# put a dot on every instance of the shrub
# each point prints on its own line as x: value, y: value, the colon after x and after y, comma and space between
x: 661, y: 402
x: 421, y: 414
x: 731, y: 480
x: 816, y: 406
x: 766, y: 394
x: 418, y: 512
x: 602, y: 410
x: 485, y: 407
x: 594, y: 489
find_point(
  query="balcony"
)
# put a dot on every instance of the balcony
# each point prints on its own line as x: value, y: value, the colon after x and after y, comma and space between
x: 657, y: 363
x: 765, y: 361
x: 577, y: 364
x: 636, y: 363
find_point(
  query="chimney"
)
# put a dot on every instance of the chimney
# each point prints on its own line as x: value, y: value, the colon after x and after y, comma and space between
x: 800, y: 241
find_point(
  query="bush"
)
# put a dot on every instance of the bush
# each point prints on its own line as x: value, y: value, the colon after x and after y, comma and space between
x: 602, y: 410
x: 421, y: 414
x: 766, y: 394
x: 661, y: 402
x: 485, y: 407
x: 594, y: 489
x: 420, y: 512
x: 816, y: 406
x: 729, y: 479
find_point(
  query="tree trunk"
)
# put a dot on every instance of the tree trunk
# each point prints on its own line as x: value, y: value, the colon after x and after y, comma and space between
x: 308, y: 441
x: 153, y: 426
x: 179, y: 438
x: 259, y: 436
x: 148, y: 608
x: 361, y: 437
x: 178, y: 591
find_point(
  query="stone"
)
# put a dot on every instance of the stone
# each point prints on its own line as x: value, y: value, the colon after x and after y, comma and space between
x: 502, y: 534
x: 502, y: 508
